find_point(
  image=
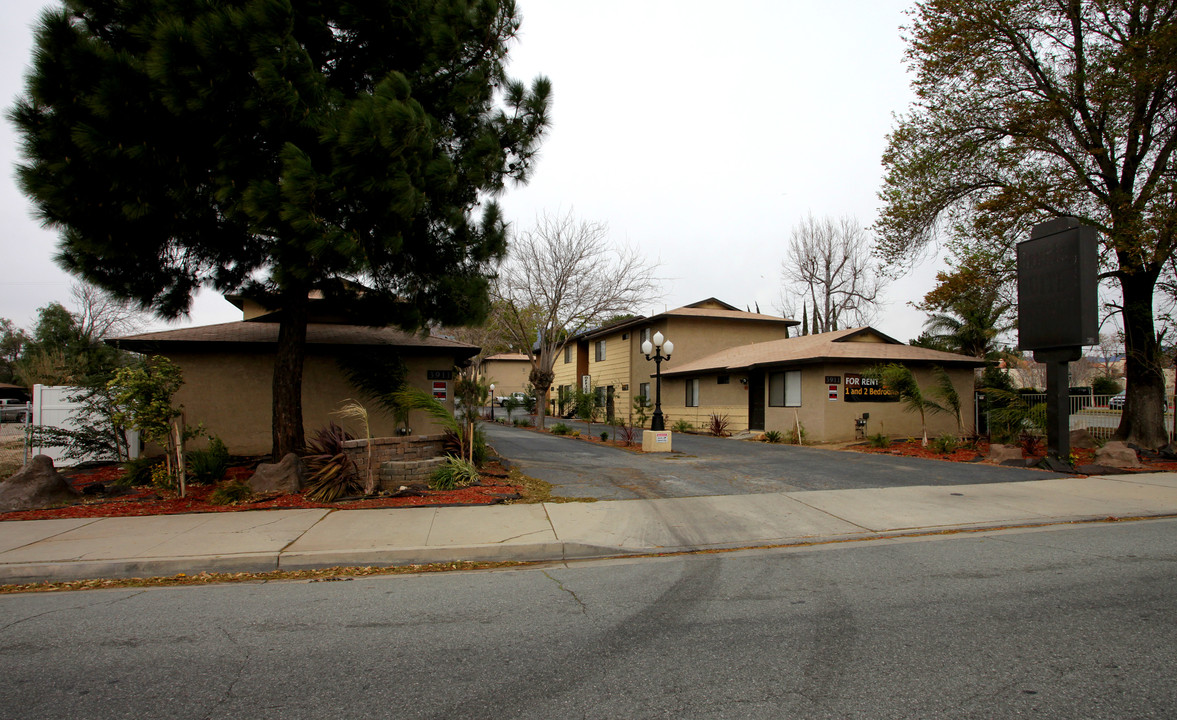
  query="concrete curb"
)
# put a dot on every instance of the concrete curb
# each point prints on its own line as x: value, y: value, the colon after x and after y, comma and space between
x: 538, y: 552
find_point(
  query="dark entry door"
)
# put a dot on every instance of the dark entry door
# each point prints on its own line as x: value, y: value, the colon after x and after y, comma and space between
x: 756, y: 401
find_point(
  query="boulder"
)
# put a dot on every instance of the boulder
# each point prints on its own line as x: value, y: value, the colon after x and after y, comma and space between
x: 286, y: 476
x: 1081, y: 439
x: 1001, y: 454
x: 1117, y: 454
x: 1099, y: 470
x: 36, y: 485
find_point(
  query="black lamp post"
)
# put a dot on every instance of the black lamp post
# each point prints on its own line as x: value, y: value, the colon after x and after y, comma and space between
x: 654, y: 352
x: 492, y: 404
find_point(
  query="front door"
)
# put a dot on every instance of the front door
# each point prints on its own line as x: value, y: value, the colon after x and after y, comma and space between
x: 756, y: 401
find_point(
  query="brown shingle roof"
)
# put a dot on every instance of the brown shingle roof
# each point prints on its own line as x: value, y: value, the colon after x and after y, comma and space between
x: 839, y: 345
x: 691, y: 311
x: 240, y: 334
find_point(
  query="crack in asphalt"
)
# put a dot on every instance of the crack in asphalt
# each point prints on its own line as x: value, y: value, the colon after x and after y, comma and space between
x: 559, y: 584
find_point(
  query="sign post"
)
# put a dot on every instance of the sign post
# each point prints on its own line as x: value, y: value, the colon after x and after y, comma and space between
x: 1057, y: 316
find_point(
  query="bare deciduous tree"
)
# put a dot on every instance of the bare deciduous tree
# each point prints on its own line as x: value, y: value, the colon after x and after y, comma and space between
x: 100, y: 315
x: 563, y: 277
x: 828, y: 267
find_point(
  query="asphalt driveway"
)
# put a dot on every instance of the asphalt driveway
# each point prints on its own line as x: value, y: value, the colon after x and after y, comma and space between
x: 704, y: 465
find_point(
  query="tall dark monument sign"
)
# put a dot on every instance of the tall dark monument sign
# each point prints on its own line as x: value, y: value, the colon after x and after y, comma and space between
x: 1057, y: 314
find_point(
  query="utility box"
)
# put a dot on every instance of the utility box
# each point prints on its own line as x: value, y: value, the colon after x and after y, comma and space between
x: 656, y: 440
x: 1057, y: 286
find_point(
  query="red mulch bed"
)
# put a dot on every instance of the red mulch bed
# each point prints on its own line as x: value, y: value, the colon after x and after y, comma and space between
x: 912, y: 448
x: 495, y: 488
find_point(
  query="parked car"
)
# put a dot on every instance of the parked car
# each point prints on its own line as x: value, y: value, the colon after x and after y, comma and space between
x: 520, y: 399
x: 1116, y: 402
x: 14, y: 411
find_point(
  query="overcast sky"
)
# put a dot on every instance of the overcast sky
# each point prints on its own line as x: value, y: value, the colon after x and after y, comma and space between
x: 700, y: 135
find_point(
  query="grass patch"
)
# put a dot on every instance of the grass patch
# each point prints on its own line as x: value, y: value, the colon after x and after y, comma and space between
x: 533, y: 490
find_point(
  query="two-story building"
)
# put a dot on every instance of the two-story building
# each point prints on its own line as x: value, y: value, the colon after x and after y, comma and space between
x: 610, y: 360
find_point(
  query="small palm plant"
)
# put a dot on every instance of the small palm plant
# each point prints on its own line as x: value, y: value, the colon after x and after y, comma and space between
x: 903, y: 383
x: 333, y: 474
x: 354, y: 411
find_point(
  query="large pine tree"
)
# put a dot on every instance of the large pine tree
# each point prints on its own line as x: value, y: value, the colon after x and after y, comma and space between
x: 272, y: 147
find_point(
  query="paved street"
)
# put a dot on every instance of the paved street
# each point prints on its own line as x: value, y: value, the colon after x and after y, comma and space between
x: 1067, y: 622
x: 704, y: 465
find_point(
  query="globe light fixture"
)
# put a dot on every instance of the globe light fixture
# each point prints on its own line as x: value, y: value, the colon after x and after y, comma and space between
x: 657, y: 351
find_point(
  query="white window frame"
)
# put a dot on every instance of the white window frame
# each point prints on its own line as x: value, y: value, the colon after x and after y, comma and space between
x: 692, y: 399
x: 567, y: 354
x: 644, y: 391
x: 599, y: 350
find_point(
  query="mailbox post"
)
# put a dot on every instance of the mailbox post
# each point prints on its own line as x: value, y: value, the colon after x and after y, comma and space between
x: 1057, y: 315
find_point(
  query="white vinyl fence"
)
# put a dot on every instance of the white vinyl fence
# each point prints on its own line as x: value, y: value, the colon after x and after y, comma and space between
x: 52, y: 408
x: 1097, y: 414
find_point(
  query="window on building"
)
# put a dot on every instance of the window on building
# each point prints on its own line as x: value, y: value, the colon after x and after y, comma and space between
x: 645, y: 335
x: 723, y: 380
x: 693, y: 393
x: 644, y: 391
x: 600, y: 348
x: 784, y: 389
x: 567, y: 354
x: 600, y: 396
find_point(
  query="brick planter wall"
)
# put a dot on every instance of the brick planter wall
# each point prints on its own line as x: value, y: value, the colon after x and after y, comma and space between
x: 401, y: 460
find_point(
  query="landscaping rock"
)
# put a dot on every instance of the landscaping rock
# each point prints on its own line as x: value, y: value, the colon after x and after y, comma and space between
x: 289, y: 475
x: 1117, y: 454
x: 36, y: 485
x: 1100, y: 470
x: 1002, y: 454
x: 1081, y: 439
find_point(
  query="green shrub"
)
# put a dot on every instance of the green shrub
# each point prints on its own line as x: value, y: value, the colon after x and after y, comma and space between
x: 682, y: 426
x: 522, y: 422
x: 137, y: 472
x: 773, y: 436
x: 456, y: 473
x: 879, y: 440
x: 1105, y: 386
x: 605, y: 436
x: 229, y: 493
x: 560, y: 429
x: 162, y: 478
x: 208, y: 465
x: 945, y: 444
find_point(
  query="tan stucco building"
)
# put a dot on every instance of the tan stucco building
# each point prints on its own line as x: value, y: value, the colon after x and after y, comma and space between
x: 510, y: 372
x: 612, y: 360
x: 820, y: 382
x: 228, y: 375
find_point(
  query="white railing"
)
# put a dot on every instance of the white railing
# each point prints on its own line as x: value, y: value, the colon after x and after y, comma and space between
x: 1098, y: 414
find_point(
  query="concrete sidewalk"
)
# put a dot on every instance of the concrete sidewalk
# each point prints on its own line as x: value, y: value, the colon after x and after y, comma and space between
x: 259, y: 541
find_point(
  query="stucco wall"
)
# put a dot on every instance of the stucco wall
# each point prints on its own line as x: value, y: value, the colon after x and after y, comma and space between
x: 231, y: 394
x: 730, y: 400
x: 823, y: 420
x: 508, y: 376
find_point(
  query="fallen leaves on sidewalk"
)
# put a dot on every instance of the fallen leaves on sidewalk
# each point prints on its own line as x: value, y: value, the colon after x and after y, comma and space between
x: 207, y: 578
